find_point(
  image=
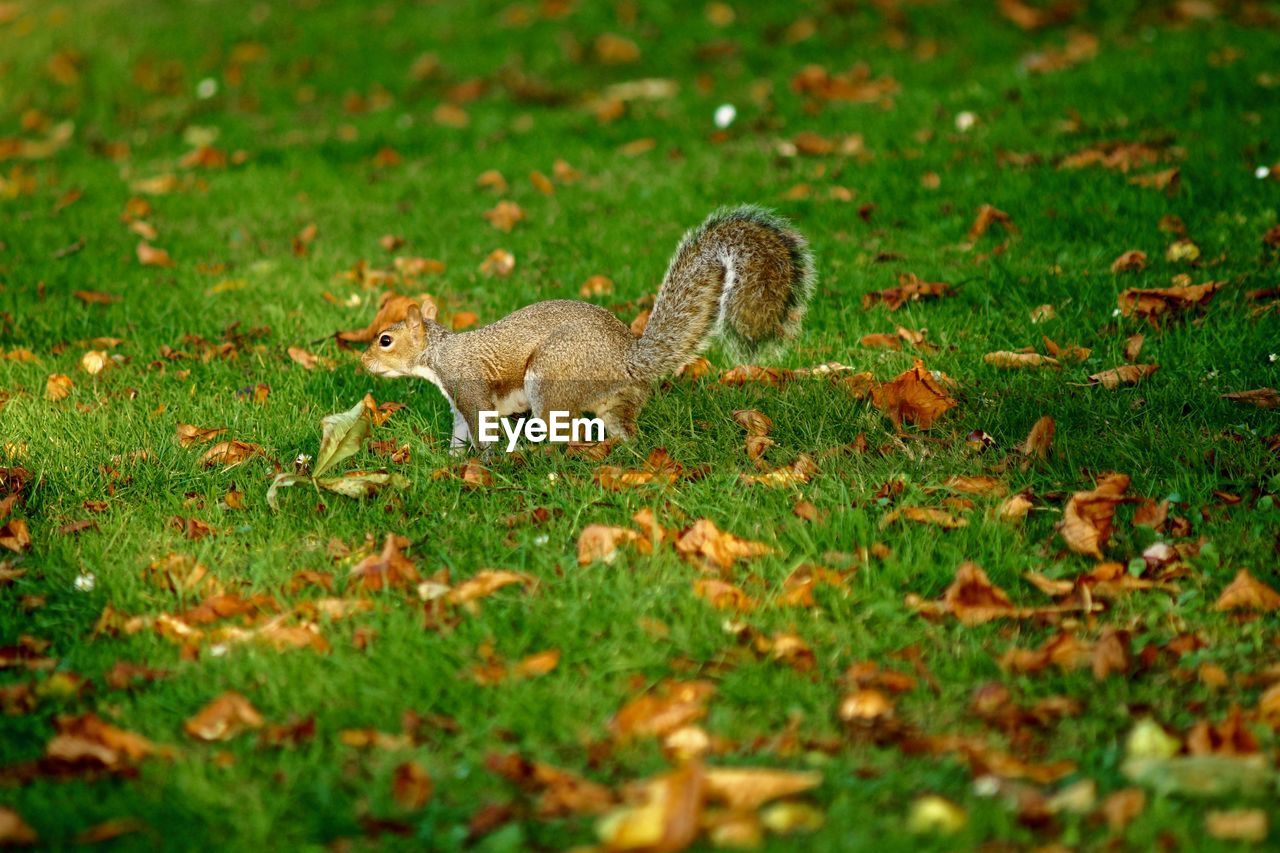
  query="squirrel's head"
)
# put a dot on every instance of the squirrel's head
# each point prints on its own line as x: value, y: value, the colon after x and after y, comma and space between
x: 396, y: 350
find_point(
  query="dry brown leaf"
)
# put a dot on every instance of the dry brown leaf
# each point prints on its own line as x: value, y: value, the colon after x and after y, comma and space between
x: 411, y: 786
x: 1156, y: 302
x: 1125, y: 374
x: 802, y: 470
x: 388, y: 569
x: 754, y: 422
x: 596, y: 285
x: 308, y: 360
x: 150, y: 256
x: 881, y: 341
x: 1040, y: 439
x: 1263, y: 398
x: 1133, y: 260
x: 705, y: 541
x: 976, y: 485
x: 749, y: 788
x: 667, y: 817
x: 1087, y: 521
x: 504, y: 216
x: 189, y: 434
x: 536, y: 664
x: 1133, y: 347
x: 988, y: 216
x: 1247, y: 825
x: 1245, y: 592
x: 600, y: 542
x: 613, y: 49
x: 87, y: 740
x: 671, y: 705
x: 1019, y: 359
x: 498, y: 263
x: 1121, y: 807
x: 925, y: 515
x: 913, y: 397
x: 723, y: 596
x: 973, y: 599
x: 485, y: 583
x: 14, y: 831
x: 57, y: 387
x: 230, y: 454
x: 909, y: 289
x: 223, y: 718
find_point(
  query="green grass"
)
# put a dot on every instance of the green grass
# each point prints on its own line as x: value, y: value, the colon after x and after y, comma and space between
x: 309, y: 160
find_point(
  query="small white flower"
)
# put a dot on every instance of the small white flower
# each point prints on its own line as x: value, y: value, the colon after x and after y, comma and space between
x: 206, y: 88
x: 1115, y: 312
x: 217, y: 650
x: 1272, y: 358
x: 725, y: 114
x: 965, y: 121
x: 552, y: 477
x: 1262, y: 173
x: 542, y: 539
x: 86, y: 582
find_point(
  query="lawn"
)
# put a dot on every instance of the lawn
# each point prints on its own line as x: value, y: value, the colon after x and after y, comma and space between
x: 196, y: 198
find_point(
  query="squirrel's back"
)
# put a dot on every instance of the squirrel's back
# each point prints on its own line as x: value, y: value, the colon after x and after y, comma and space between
x: 743, y: 275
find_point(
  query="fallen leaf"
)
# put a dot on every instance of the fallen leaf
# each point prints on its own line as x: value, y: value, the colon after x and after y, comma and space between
x: 802, y: 470
x: 706, y: 542
x: 1125, y: 374
x: 1019, y: 359
x: 308, y: 360
x: 913, y: 397
x: 723, y: 596
x: 498, y: 263
x: 973, y: 599
x: 57, y: 387
x: 596, y: 285
x: 230, y: 454
x: 88, y: 741
x: 1156, y: 302
x: 671, y: 705
x: 150, y: 256
x: 504, y: 216
x: 1245, y: 592
x: 749, y: 788
x: 223, y: 718
x: 485, y: 583
x: 388, y: 569
x: 925, y: 515
x: 189, y: 434
x: 909, y: 289
x: 1040, y: 439
x: 1248, y: 825
x: 1133, y: 260
x: 988, y: 216
x: 1087, y: 520
x: 667, y: 817
x: 411, y: 786
x: 536, y: 664
x: 600, y: 542
x: 1263, y: 398
x: 14, y: 831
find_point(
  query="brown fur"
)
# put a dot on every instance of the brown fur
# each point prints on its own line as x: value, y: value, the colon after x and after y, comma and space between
x: 563, y: 355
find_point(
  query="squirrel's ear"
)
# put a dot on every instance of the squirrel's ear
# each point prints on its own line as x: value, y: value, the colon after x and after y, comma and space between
x: 429, y: 310
x: 413, y: 317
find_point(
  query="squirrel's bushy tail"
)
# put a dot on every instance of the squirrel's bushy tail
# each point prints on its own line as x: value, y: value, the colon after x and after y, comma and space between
x: 743, y: 275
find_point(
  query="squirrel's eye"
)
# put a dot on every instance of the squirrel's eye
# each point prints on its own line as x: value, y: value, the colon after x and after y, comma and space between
x: 384, y: 341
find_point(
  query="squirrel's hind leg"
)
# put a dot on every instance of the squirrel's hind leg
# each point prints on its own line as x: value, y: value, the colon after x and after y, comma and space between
x: 620, y: 410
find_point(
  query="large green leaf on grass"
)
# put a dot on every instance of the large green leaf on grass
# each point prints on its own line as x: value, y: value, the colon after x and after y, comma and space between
x: 343, y: 436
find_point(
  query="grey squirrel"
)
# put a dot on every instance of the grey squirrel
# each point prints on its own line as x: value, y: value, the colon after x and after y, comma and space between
x: 743, y: 275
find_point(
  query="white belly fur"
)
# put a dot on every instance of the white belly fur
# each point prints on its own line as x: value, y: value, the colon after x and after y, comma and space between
x: 516, y: 401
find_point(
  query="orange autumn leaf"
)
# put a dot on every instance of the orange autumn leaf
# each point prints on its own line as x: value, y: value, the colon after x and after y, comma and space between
x: 1019, y: 359
x: 596, y: 285
x: 388, y: 569
x: 973, y: 599
x: 1263, y: 398
x: 913, y: 397
x: 1040, y: 439
x: 600, y: 542
x: 976, y: 485
x: 189, y: 434
x: 800, y: 471
x: 1245, y: 592
x: 1133, y: 260
x: 485, y: 583
x: 150, y: 256
x: 57, y: 387
x: 910, y: 289
x: 230, y: 453
x: 1087, y: 521
x: 504, y: 216
x: 536, y: 664
x: 1125, y: 374
x: 671, y: 705
x: 705, y: 541
x: 498, y: 263
x: 411, y: 786
x: 925, y: 515
x: 988, y: 216
x: 89, y: 740
x: 723, y: 596
x: 460, y: 320
x: 749, y: 788
x: 223, y: 718
x: 1156, y: 302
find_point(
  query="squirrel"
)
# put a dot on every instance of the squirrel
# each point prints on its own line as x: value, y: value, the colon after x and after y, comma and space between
x: 743, y: 275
